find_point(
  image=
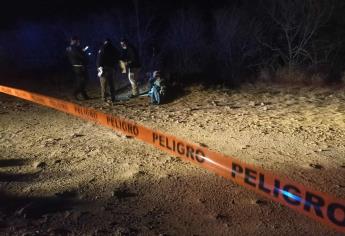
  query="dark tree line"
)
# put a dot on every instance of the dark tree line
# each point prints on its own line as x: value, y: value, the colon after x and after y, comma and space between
x: 227, y: 44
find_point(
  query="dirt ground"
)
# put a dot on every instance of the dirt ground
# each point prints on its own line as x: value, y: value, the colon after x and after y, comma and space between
x: 60, y: 175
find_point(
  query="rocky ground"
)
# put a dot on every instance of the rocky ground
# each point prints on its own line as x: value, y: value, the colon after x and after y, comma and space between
x: 60, y: 175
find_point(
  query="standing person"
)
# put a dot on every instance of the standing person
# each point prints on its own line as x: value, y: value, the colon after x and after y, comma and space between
x: 78, y: 60
x: 130, y: 58
x: 107, y: 59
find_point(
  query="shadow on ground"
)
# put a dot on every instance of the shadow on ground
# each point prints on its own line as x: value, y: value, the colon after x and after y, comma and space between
x: 12, y: 162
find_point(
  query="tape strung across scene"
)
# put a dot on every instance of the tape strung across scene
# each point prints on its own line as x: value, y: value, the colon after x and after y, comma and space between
x: 317, y: 205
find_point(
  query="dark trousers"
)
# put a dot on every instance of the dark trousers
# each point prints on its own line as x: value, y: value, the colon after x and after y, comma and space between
x: 107, y: 80
x: 81, y: 78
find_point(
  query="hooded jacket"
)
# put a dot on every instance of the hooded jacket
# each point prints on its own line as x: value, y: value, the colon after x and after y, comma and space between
x: 76, y: 55
x: 130, y: 55
x: 108, y: 56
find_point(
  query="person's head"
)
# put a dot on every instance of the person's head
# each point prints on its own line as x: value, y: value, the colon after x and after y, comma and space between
x: 75, y: 40
x: 156, y: 74
x: 124, y: 43
x: 107, y: 41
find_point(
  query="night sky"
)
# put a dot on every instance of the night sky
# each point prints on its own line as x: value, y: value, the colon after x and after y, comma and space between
x: 15, y: 12
x: 189, y: 37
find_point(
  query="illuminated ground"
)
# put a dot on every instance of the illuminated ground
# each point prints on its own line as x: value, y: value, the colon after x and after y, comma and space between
x: 62, y: 175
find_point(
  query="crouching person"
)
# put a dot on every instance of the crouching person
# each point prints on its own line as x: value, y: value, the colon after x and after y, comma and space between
x: 157, y: 92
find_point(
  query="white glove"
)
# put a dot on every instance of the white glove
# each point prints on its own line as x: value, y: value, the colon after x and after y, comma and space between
x: 123, y: 67
x: 100, y: 71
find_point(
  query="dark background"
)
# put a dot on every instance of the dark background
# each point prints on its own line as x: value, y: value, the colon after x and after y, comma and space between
x: 218, y: 41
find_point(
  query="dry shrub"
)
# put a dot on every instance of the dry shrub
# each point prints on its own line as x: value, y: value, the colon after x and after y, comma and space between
x: 287, y: 75
x: 316, y: 79
x: 265, y: 75
x: 319, y: 74
x: 290, y: 75
x: 342, y: 77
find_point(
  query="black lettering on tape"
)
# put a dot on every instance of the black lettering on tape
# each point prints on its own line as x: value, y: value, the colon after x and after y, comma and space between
x: 117, y: 124
x: 332, y: 208
x: 58, y: 105
x: 161, y: 141
x: 236, y: 169
x: 180, y: 148
x: 262, y: 186
x: 124, y: 126
x: 135, y: 130
x: 112, y: 121
x: 128, y: 127
x: 276, y: 188
x: 155, y: 137
x: 200, y: 155
x: 109, y: 120
x: 291, y: 197
x: 250, y: 175
x: 167, y: 143
x: 312, y: 200
x: 190, y: 152
x: 86, y: 112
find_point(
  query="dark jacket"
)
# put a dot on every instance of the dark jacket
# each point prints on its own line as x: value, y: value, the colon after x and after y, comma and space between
x: 108, y: 56
x: 76, y: 55
x: 130, y: 55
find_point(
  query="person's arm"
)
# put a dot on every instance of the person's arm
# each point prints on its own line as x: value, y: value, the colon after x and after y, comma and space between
x: 80, y: 56
x: 68, y: 54
x: 131, y: 55
x: 100, y: 58
x: 116, y: 55
x: 99, y: 63
x: 85, y: 58
x: 123, y: 55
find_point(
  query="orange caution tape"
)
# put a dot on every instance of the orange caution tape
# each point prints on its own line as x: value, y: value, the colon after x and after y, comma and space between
x: 317, y: 205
